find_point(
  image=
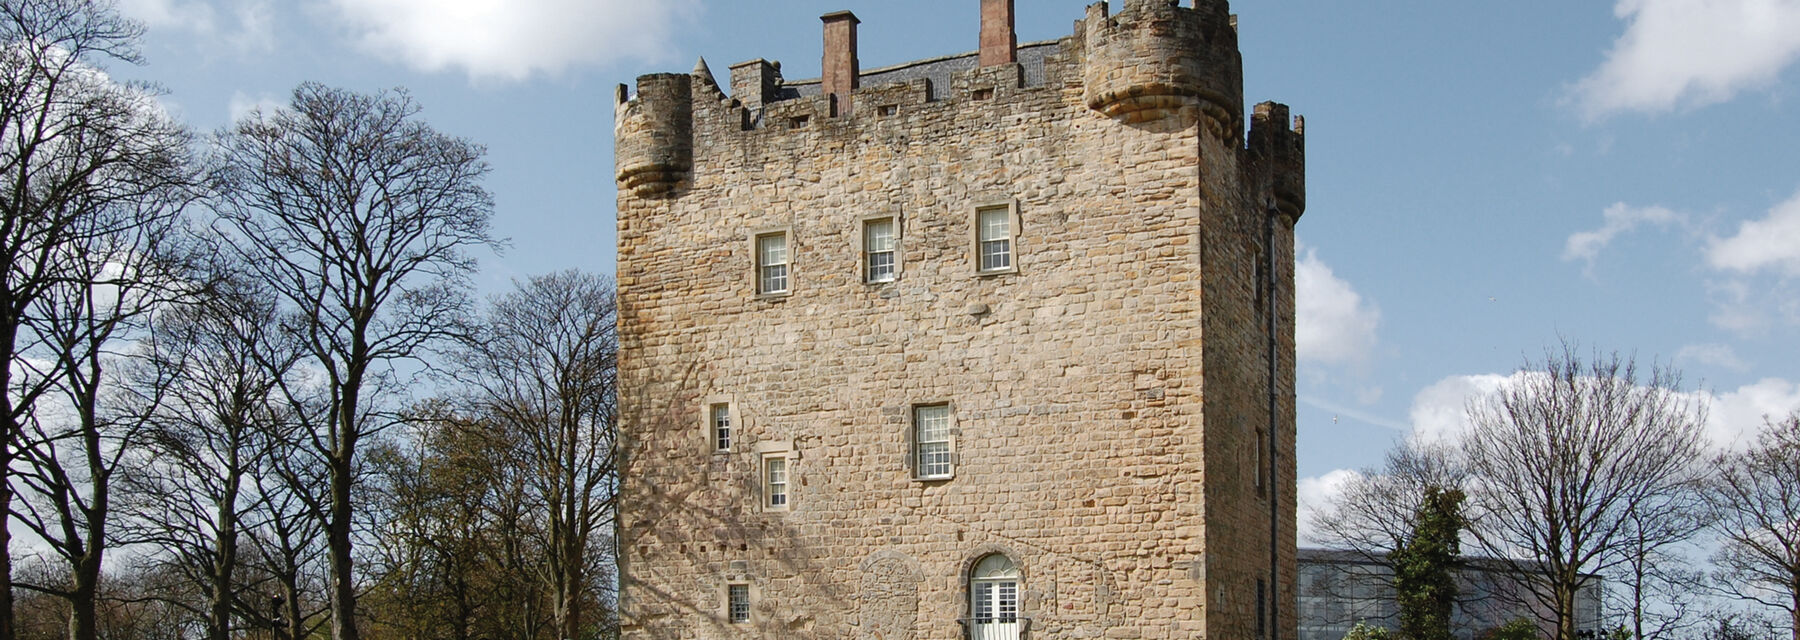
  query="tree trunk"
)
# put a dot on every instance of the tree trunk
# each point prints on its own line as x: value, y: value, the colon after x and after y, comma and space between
x: 1565, y: 619
x: 218, y: 620
x: 85, y: 597
x: 337, y: 538
x: 6, y: 584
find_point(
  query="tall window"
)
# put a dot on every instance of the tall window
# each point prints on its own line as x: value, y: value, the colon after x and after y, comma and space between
x: 721, y: 426
x: 878, y: 250
x: 931, y: 441
x: 775, y: 482
x: 737, y: 603
x: 772, y: 263
x: 993, y: 239
x: 994, y: 599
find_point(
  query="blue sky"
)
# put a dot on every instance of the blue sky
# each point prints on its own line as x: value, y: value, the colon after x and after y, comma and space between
x: 1485, y: 179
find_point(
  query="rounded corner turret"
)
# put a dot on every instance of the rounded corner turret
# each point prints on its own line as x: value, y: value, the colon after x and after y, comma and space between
x: 653, y: 134
x: 1155, y: 58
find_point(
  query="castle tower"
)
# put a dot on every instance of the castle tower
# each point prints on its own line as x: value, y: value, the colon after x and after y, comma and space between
x: 990, y: 346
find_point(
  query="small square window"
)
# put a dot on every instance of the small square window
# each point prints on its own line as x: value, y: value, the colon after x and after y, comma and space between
x: 880, y: 244
x: 737, y: 603
x: 798, y: 122
x: 932, y: 442
x: 772, y: 263
x: 993, y: 239
x: 982, y: 94
x: 775, y: 482
x: 720, y: 420
x: 888, y: 109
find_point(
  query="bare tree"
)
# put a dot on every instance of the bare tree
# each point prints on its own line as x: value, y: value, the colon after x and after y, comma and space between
x: 73, y: 146
x: 359, y: 217
x: 1755, y: 508
x: 1566, y: 457
x: 77, y: 445
x: 543, y: 370
x: 216, y: 366
x: 1376, y: 510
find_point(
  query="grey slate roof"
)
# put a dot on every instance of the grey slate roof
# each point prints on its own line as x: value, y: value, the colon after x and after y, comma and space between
x: 937, y: 70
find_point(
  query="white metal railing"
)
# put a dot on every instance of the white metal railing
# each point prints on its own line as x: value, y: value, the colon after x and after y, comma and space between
x: 1007, y: 628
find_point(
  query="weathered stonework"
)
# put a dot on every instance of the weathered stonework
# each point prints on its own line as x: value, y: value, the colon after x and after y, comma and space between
x: 1108, y: 394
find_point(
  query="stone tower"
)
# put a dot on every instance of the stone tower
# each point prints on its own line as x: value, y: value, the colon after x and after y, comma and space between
x: 995, y: 345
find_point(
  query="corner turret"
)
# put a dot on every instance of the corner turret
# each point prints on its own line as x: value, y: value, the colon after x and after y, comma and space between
x: 1155, y: 58
x: 1278, y: 155
x: 653, y: 133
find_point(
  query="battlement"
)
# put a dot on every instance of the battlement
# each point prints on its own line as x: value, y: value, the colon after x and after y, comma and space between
x: 1152, y: 59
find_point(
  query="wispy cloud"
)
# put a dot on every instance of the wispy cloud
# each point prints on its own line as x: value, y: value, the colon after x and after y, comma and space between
x: 1615, y: 220
x: 1712, y: 354
x: 513, y: 39
x: 246, y: 27
x: 1690, y: 53
x: 243, y: 104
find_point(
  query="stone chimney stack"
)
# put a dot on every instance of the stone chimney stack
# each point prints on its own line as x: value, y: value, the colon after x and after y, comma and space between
x: 999, y: 44
x: 837, y: 75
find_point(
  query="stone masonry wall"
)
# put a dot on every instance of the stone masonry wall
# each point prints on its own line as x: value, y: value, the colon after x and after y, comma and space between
x: 1106, y: 396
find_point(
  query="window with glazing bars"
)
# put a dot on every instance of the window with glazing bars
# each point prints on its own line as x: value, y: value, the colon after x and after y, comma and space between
x: 878, y: 249
x: 737, y: 603
x: 721, y: 426
x: 776, y: 483
x: 772, y: 263
x: 993, y: 237
x: 931, y: 441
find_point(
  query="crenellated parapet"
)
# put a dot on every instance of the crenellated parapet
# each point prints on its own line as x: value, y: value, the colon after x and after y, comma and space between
x: 1155, y: 57
x: 653, y: 133
x: 1278, y: 156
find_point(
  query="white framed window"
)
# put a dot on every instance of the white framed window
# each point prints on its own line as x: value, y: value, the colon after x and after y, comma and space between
x: 932, y: 442
x: 772, y: 260
x: 719, y: 425
x: 994, y: 599
x: 880, y: 244
x: 993, y: 239
x: 737, y: 603
x: 775, y: 482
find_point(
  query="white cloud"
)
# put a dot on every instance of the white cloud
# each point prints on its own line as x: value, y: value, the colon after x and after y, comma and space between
x: 1439, y: 411
x: 1334, y: 325
x: 513, y: 39
x: 1733, y: 417
x: 1713, y: 354
x: 1771, y: 243
x: 1317, y: 492
x: 1616, y: 219
x: 1690, y: 53
x: 1737, y: 416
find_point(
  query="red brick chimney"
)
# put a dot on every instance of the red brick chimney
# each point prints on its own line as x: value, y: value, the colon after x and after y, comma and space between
x: 999, y: 45
x: 837, y: 75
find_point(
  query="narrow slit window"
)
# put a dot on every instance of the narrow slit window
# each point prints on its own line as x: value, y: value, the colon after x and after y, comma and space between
x: 772, y: 263
x: 878, y: 249
x: 994, y: 239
